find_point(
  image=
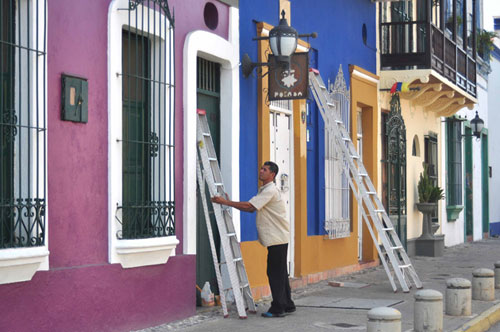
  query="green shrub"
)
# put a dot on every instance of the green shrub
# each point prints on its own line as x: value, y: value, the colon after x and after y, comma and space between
x: 427, y: 191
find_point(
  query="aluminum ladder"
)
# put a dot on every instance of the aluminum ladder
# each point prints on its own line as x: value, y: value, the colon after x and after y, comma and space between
x: 208, y: 172
x: 391, y: 252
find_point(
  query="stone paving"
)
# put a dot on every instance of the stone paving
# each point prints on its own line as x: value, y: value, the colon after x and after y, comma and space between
x: 321, y: 307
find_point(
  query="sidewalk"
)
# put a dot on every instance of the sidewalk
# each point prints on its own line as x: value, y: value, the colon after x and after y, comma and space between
x: 321, y: 307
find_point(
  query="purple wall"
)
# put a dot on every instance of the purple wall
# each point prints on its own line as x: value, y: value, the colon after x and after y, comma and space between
x: 100, y: 297
x: 81, y: 291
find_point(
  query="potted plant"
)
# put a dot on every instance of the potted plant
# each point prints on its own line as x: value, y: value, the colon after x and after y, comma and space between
x: 484, y: 43
x: 428, y: 196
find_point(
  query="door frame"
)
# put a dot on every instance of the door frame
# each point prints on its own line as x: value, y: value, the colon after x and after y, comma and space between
x: 359, y: 148
x: 468, y: 185
x: 291, y: 244
x: 217, y: 49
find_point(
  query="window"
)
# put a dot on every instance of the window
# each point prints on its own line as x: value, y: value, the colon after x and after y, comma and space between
x: 431, y: 157
x: 22, y: 124
x: 141, y: 132
x: 23, y: 140
x: 337, y: 192
x: 454, y: 167
x: 415, y: 147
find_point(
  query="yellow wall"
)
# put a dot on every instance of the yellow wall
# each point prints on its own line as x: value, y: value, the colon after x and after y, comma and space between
x: 418, y: 122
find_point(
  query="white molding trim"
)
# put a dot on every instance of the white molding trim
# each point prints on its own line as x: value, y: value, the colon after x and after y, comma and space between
x: 144, y: 252
x: 21, y: 264
x: 362, y: 75
x: 214, y: 48
x: 129, y: 253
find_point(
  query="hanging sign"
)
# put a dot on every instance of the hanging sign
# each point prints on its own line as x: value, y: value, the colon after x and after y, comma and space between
x: 289, y: 82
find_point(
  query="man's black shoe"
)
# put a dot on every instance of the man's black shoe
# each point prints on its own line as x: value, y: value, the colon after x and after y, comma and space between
x: 272, y: 315
x: 290, y: 310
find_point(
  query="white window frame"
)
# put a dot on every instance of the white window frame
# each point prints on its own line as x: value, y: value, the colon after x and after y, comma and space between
x: 136, y: 252
x: 20, y: 264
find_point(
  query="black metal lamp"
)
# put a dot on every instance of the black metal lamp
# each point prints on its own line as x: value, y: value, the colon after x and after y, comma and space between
x: 477, y: 125
x: 283, y: 43
x: 283, y: 40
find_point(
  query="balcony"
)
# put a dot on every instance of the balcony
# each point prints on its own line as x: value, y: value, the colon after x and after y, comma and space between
x: 428, y: 58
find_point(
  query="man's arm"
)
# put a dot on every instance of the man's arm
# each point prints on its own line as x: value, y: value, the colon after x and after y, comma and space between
x: 242, y: 206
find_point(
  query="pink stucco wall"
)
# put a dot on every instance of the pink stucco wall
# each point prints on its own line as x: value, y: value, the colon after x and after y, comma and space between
x: 81, y: 291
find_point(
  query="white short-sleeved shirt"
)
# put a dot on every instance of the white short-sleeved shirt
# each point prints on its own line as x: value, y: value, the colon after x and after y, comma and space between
x: 272, y: 226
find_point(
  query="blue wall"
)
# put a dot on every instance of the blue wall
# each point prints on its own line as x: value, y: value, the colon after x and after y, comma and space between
x: 339, y: 27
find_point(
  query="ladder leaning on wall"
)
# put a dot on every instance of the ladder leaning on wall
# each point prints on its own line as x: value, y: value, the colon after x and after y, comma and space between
x: 391, y: 252
x: 208, y: 172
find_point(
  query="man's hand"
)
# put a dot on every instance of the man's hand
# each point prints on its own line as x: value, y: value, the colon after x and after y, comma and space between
x: 219, y: 200
x: 242, y: 206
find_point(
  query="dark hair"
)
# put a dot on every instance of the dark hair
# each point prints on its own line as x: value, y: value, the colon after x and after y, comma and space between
x: 272, y: 167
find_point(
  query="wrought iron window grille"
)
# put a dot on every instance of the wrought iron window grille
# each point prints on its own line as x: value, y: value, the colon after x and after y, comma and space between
x: 147, y: 207
x: 337, y: 191
x: 22, y: 123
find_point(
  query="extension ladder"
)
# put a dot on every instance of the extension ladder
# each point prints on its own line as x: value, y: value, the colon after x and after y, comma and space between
x: 208, y: 172
x: 392, y: 252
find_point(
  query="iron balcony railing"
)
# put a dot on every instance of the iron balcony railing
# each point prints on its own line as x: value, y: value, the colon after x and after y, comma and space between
x: 422, y: 45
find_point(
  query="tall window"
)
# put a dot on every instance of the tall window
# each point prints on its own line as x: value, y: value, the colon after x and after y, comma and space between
x: 337, y: 193
x: 454, y: 162
x: 147, y: 118
x: 22, y: 123
x: 431, y: 157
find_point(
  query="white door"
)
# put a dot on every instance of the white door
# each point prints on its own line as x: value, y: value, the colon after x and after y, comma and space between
x: 281, y: 148
x: 360, y: 216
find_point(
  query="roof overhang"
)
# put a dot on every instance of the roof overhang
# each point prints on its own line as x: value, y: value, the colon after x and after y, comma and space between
x: 430, y: 90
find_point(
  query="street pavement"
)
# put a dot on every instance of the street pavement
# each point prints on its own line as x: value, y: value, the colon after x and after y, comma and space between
x: 321, y: 307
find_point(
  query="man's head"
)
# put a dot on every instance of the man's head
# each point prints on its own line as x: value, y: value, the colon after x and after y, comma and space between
x: 268, y: 172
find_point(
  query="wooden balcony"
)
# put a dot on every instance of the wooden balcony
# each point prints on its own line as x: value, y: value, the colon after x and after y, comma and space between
x: 418, y: 50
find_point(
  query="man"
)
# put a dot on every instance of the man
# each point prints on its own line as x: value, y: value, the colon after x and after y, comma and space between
x: 273, y: 230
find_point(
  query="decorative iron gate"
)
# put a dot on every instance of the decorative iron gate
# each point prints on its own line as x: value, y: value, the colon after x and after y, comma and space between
x: 147, y: 121
x: 394, y: 159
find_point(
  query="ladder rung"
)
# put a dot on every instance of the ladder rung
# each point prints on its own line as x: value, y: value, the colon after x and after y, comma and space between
x: 355, y: 157
x: 241, y: 286
x: 371, y: 192
x: 346, y: 139
x: 330, y: 104
x: 363, y: 174
x: 206, y: 134
x: 212, y: 159
x: 404, y: 266
x: 338, y: 122
x: 218, y: 184
x: 322, y: 87
x: 388, y: 229
x: 378, y: 211
x: 231, y: 234
x: 239, y: 259
x: 397, y: 247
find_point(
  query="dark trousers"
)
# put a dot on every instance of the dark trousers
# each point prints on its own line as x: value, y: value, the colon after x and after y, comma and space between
x: 278, y: 278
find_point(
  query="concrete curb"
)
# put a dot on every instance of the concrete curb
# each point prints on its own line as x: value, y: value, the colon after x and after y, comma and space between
x: 483, y: 322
